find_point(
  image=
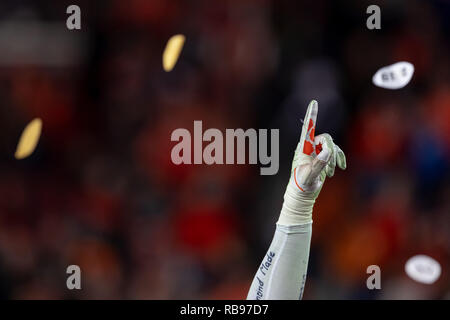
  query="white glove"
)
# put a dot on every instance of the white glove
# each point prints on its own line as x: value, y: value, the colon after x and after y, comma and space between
x: 314, y: 159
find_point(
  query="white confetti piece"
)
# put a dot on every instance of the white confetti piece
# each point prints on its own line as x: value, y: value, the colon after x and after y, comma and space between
x: 423, y: 269
x: 29, y: 139
x: 172, y: 51
x: 394, y: 76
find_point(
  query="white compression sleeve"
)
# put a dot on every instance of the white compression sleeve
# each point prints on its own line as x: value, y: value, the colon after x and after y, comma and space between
x: 282, y: 274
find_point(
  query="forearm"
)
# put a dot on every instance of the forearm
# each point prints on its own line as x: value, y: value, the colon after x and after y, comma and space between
x: 282, y: 273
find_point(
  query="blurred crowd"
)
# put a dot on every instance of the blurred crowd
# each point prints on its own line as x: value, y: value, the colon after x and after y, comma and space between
x: 100, y: 191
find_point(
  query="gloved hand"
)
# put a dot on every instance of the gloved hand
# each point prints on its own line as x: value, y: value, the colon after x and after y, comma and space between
x: 314, y: 159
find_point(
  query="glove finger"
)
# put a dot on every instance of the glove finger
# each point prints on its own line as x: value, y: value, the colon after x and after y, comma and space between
x: 325, y: 142
x: 341, y: 160
x: 317, y: 166
x: 329, y: 169
x: 306, y: 144
x: 332, y: 164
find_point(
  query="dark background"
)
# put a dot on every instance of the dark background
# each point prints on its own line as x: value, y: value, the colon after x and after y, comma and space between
x: 101, y: 192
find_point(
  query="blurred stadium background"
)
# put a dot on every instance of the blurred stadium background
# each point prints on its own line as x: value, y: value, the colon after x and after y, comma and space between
x: 101, y: 192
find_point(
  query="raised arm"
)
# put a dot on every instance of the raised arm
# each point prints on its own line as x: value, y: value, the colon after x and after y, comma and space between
x: 282, y: 273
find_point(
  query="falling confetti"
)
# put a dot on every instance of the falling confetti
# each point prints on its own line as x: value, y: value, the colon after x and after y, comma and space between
x: 394, y: 76
x: 29, y: 139
x: 423, y: 269
x: 172, y: 51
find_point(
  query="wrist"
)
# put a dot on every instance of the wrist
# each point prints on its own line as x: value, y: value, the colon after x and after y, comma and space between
x: 297, y: 207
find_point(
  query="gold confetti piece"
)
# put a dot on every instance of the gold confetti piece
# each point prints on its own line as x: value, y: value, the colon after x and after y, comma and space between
x: 29, y: 139
x: 172, y: 51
